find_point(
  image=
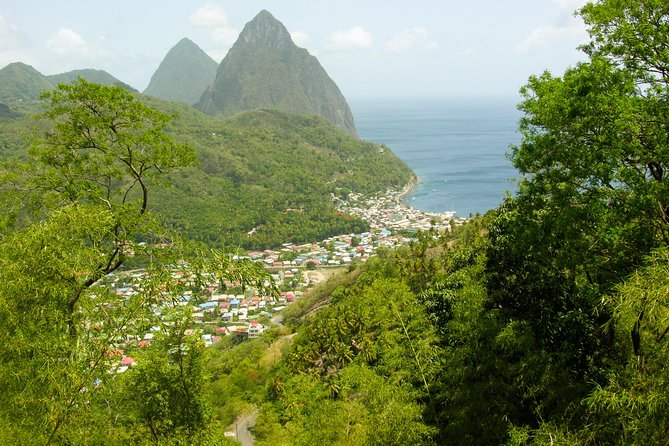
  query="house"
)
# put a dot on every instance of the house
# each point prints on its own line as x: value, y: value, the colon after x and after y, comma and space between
x: 207, y: 339
x: 208, y: 306
x: 255, y: 329
x: 241, y: 332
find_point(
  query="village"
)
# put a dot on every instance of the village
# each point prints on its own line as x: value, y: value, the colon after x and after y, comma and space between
x: 294, y: 269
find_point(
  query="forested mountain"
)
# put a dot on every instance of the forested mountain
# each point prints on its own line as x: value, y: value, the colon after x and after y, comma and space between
x: 265, y: 69
x: 183, y: 75
x: 91, y: 75
x: 263, y: 172
x: 272, y: 173
x: 21, y: 82
x: 6, y: 112
x: 265, y: 176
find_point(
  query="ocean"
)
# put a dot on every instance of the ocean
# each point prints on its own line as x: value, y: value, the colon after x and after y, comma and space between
x: 456, y: 148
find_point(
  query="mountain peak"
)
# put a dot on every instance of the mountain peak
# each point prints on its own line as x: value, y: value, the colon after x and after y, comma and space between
x: 184, y: 74
x: 185, y: 43
x: 21, y: 82
x: 265, y: 30
x: 265, y: 69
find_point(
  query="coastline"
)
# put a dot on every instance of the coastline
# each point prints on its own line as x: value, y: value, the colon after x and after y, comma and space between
x: 407, y: 190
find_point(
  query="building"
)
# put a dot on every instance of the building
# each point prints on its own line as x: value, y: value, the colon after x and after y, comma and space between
x: 255, y: 329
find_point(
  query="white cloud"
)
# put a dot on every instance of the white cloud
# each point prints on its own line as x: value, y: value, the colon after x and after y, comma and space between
x: 300, y: 38
x: 570, y: 5
x: 225, y: 35
x: 69, y: 50
x: 353, y: 38
x: 210, y: 15
x: 215, y: 18
x: 544, y: 35
x: 10, y: 36
x: 410, y: 38
x: 567, y: 26
x: 66, y: 41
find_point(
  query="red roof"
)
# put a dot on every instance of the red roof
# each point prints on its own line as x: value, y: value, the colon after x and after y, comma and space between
x: 128, y: 360
x: 114, y: 352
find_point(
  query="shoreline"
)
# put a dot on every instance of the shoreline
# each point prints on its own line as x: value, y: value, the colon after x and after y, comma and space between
x: 408, y: 189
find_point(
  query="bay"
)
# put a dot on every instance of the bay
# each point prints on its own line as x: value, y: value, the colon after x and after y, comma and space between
x: 456, y: 148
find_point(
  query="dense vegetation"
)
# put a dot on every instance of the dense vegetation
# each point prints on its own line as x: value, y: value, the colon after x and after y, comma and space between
x: 264, y: 172
x: 21, y: 84
x: 273, y: 172
x: 542, y: 322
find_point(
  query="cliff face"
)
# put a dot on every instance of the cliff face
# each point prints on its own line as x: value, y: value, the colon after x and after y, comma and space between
x: 183, y: 75
x: 265, y: 69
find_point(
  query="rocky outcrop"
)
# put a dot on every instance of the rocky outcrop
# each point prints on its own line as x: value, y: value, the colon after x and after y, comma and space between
x: 265, y: 69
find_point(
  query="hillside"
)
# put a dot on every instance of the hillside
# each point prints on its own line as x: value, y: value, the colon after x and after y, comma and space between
x: 265, y: 69
x: 183, y: 75
x: 20, y: 82
x: 267, y: 173
x: 6, y: 112
x: 91, y: 75
x: 271, y: 173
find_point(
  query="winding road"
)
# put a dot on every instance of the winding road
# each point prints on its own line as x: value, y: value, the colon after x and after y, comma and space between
x: 244, y: 436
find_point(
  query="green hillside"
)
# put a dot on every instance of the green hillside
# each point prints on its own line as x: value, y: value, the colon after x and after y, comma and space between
x: 266, y: 172
x: 183, y: 75
x: 91, y: 75
x: 22, y: 83
x: 272, y: 173
x: 7, y: 112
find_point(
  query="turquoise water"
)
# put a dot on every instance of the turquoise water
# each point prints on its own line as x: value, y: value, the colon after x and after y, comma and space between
x: 457, y: 149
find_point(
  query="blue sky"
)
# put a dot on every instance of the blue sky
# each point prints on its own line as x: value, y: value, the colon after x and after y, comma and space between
x: 371, y: 48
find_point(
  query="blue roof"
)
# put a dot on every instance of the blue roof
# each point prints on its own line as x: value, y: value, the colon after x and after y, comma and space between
x: 208, y: 305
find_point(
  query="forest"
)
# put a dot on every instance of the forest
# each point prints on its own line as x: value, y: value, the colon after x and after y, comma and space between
x: 264, y: 172
x: 542, y: 322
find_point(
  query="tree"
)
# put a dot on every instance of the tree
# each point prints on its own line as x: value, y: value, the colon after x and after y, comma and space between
x: 592, y: 204
x: 90, y: 173
x: 166, y: 390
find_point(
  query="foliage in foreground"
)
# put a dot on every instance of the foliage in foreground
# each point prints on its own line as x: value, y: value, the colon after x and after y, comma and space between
x: 545, y: 321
